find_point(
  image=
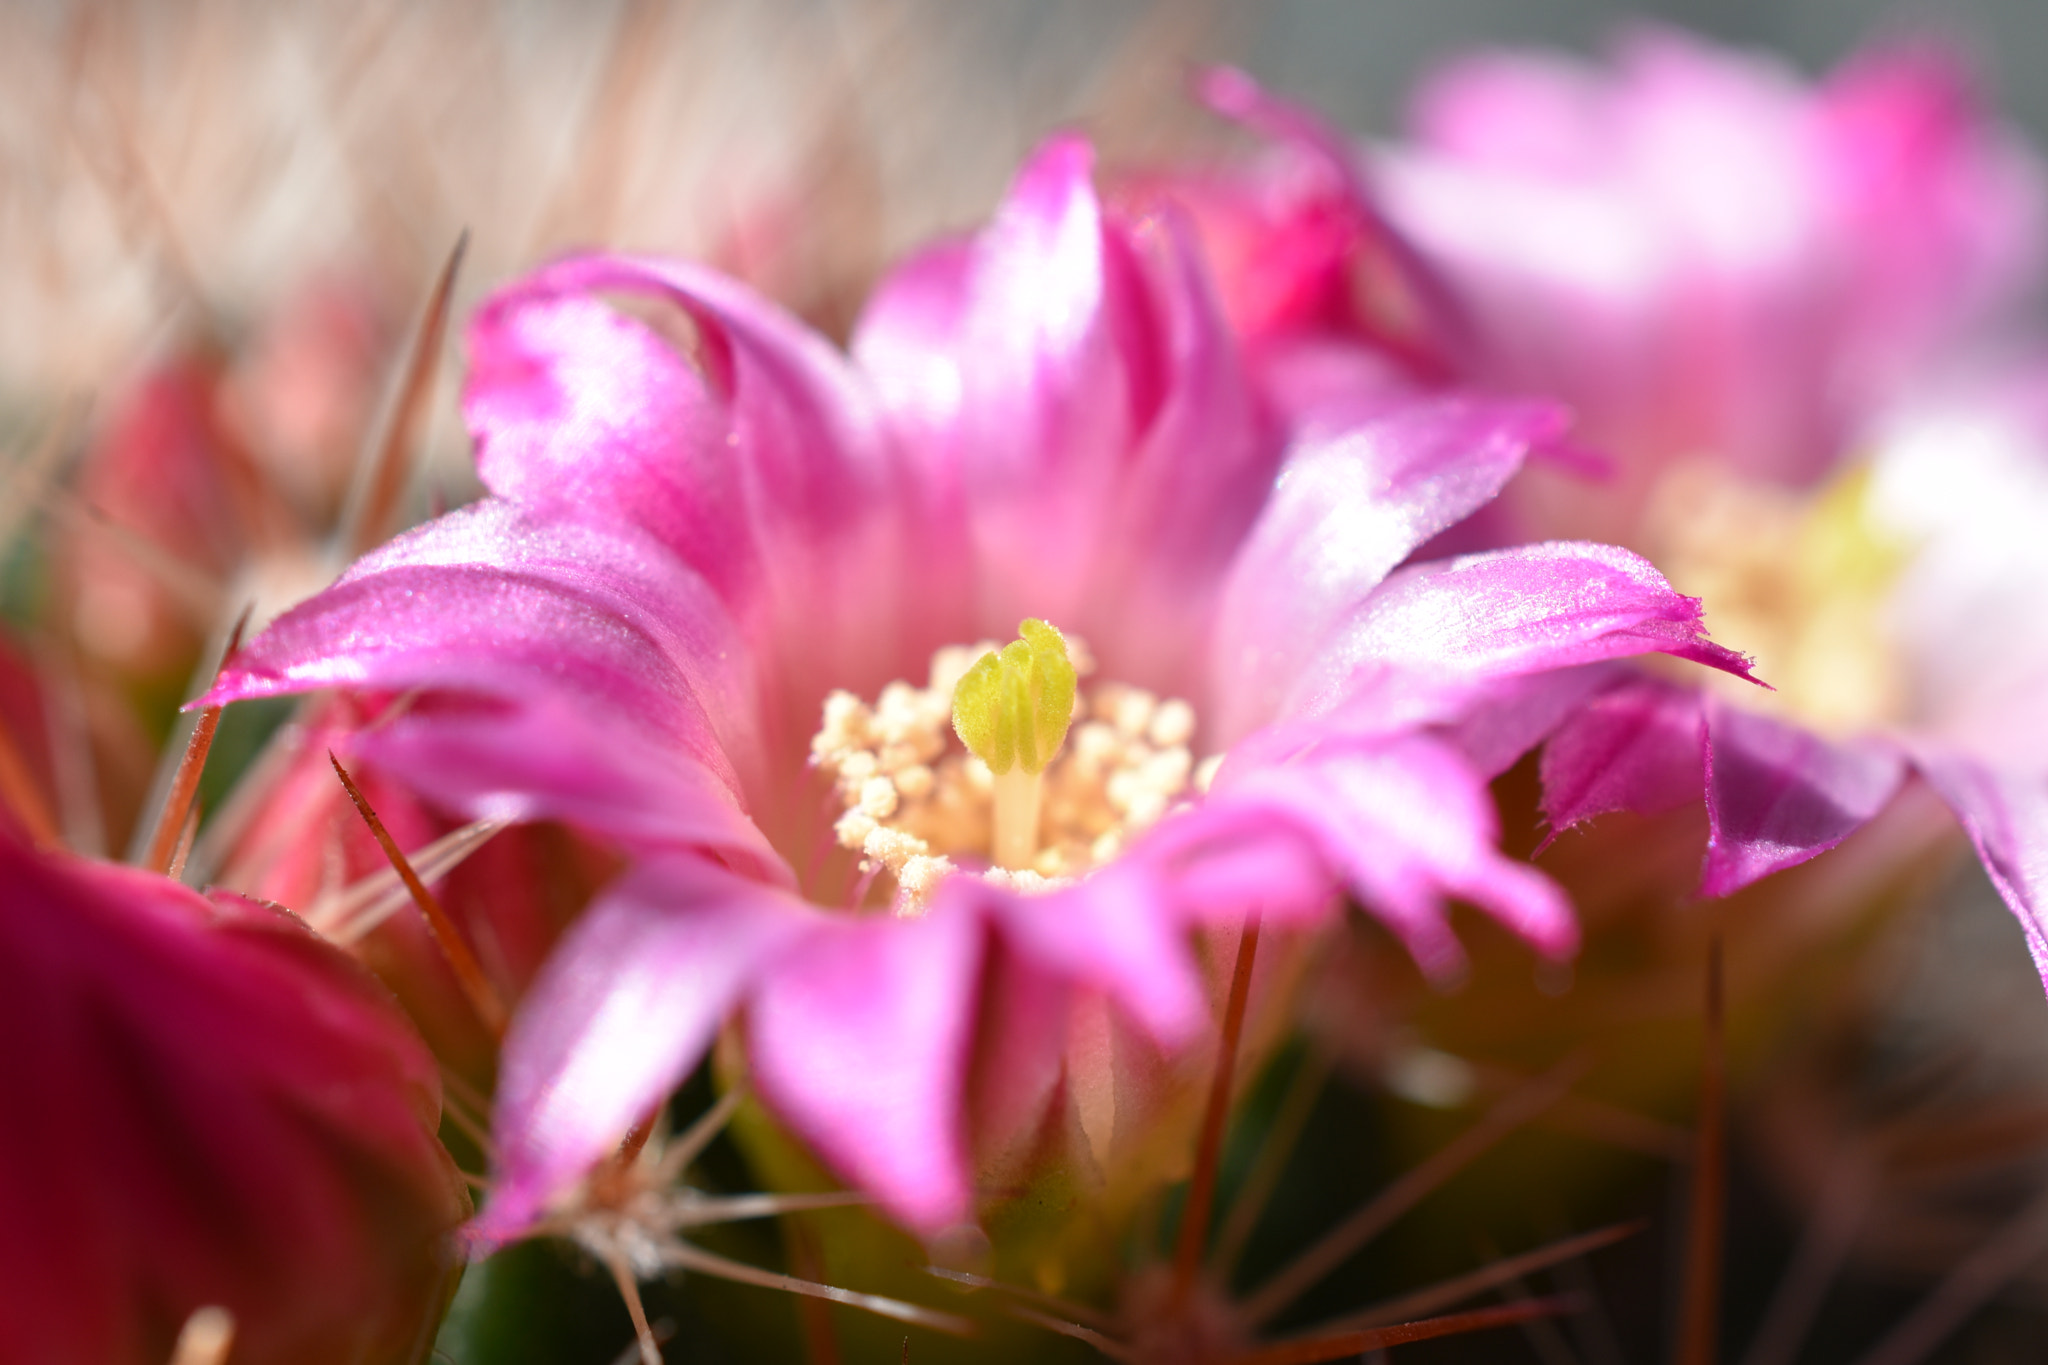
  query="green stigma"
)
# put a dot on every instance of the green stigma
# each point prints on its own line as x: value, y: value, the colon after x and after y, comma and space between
x: 1013, y: 707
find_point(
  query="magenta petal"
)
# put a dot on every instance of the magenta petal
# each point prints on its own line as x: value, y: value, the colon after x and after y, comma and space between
x: 1636, y: 747
x: 1354, y: 501
x: 860, y: 1039
x: 495, y: 601
x: 1212, y: 864
x: 623, y: 1009
x: 1113, y: 932
x: 1509, y: 718
x: 552, y: 759
x: 577, y: 408
x: 762, y: 427
x: 1405, y: 825
x: 1105, y: 444
x: 757, y: 457
x: 1050, y: 390
x: 1778, y: 794
x: 600, y: 678
x: 2006, y: 817
x: 1434, y: 633
x: 908, y: 344
x: 1015, y: 1081
x: 1198, y: 476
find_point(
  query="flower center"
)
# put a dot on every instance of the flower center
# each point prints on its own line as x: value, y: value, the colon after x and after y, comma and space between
x: 1800, y: 580
x: 978, y: 770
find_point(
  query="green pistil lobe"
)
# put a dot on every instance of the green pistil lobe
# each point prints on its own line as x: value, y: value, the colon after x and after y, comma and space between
x: 1013, y: 707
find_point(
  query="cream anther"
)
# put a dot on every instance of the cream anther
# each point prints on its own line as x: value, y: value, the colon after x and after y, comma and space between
x: 878, y: 798
x: 916, y: 806
x: 1172, y: 724
x: 1029, y: 881
x: 915, y: 782
x: 853, y: 828
x: 1129, y: 709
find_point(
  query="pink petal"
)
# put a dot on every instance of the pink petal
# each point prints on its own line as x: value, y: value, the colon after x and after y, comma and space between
x: 1064, y: 383
x: 1195, y: 481
x: 1053, y: 363
x: 2006, y: 817
x: 1422, y: 646
x: 1208, y: 867
x: 1112, y: 932
x: 1351, y: 503
x: 578, y: 408
x: 496, y: 601
x: 1016, y: 1079
x: 910, y: 346
x: 1404, y: 825
x: 594, y: 409
x: 1067, y: 381
x: 617, y: 1018
x: 1507, y: 719
x: 1524, y: 111
x: 859, y: 1038
x: 1636, y: 747
x: 574, y: 672
x: 909, y: 343
x: 1236, y: 95
x: 757, y: 459
x: 1777, y: 794
x: 553, y: 759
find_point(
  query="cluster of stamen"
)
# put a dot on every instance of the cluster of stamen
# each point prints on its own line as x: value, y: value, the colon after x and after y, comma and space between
x: 917, y: 806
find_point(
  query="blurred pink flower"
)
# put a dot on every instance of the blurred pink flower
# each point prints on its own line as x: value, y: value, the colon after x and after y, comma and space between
x: 705, y: 522
x: 1708, y: 257
x: 208, y: 1107
x: 1777, y: 309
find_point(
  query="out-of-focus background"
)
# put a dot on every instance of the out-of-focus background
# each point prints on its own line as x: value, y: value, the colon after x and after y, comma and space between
x: 213, y: 153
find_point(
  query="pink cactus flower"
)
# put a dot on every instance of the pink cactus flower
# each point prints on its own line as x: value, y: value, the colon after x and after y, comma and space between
x: 1712, y: 258
x: 1775, y: 308
x: 707, y: 528
x: 209, y: 1109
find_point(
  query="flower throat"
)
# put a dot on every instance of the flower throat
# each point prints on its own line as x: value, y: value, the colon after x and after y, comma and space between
x: 976, y: 767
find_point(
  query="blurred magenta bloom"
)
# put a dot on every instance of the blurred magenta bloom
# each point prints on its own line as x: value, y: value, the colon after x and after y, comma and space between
x: 1709, y: 257
x: 208, y: 1107
x: 1778, y: 310
x: 704, y: 520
